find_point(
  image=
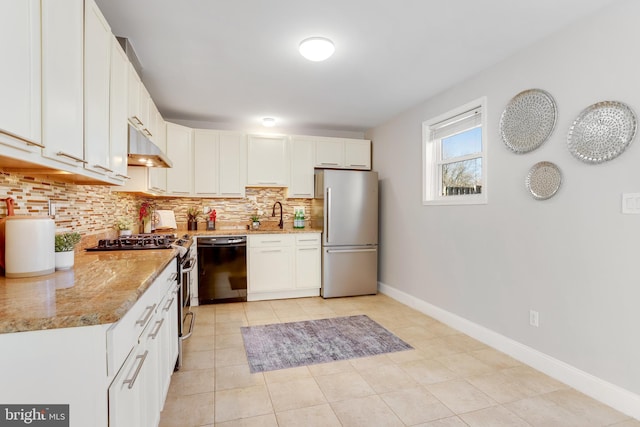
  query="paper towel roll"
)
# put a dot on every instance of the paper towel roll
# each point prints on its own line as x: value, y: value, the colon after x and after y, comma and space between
x: 29, y: 246
x: 166, y: 220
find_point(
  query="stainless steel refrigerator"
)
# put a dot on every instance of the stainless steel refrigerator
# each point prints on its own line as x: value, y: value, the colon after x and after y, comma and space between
x: 345, y: 205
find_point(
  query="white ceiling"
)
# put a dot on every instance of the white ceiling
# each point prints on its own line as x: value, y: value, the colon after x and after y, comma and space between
x: 233, y: 62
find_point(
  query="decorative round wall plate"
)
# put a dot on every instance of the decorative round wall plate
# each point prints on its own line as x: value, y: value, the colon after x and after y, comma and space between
x: 602, y: 132
x: 543, y: 180
x: 528, y: 120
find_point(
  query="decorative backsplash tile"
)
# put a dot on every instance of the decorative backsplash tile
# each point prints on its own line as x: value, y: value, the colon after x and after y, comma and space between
x: 93, y: 209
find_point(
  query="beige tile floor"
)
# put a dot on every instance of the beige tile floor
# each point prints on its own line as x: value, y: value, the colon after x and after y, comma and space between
x: 448, y: 380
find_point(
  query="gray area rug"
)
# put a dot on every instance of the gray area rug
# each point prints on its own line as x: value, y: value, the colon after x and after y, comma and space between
x: 287, y: 345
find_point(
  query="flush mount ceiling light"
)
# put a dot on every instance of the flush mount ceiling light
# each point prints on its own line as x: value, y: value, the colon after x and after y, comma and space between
x: 269, y: 122
x: 316, y: 48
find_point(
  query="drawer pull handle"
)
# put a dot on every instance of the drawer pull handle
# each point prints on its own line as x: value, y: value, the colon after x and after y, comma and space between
x: 22, y: 139
x: 272, y: 250
x: 168, y: 306
x: 137, y: 120
x: 145, y: 319
x: 131, y: 381
x: 329, y: 163
x: 123, y: 176
x: 104, y: 168
x: 308, y: 249
x: 271, y: 241
x: 154, y: 334
x: 69, y: 156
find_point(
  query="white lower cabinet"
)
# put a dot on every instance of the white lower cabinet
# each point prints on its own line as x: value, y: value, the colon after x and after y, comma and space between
x: 283, y: 266
x: 138, y: 391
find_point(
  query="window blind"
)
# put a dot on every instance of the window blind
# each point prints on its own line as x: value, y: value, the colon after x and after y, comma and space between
x: 456, y: 124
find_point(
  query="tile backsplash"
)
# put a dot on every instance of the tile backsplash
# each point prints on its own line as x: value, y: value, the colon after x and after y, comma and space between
x: 92, y: 209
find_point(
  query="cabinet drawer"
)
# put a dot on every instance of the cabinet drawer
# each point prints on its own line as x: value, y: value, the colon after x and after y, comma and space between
x: 270, y: 240
x: 308, y: 239
x: 123, y: 335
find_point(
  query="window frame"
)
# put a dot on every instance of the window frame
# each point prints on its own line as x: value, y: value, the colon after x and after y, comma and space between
x: 431, y: 159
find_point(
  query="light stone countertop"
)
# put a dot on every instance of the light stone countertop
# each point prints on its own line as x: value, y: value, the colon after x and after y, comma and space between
x: 99, y: 289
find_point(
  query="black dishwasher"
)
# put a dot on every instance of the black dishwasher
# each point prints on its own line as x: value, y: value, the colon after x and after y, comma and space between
x: 222, y: 269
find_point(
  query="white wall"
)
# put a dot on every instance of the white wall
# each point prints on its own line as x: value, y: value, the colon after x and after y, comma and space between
x: 574, y: 258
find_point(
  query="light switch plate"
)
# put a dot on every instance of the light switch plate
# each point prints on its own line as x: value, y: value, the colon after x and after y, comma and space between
x: 631, y: 203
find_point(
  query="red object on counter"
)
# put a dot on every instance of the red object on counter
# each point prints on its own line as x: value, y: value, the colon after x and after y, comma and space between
x: 212, y: 216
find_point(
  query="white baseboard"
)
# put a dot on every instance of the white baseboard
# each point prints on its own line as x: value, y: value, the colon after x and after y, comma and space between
x: 597, y: 388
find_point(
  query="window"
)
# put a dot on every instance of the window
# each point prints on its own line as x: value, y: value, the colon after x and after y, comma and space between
x: 455, y: 163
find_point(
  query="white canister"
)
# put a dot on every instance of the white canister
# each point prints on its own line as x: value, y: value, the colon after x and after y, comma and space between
x: 29, y: 246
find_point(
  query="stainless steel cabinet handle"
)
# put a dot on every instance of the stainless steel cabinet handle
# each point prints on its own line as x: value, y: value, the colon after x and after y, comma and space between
x: 332, y: 251
x: 137, y: 120
x: 104, y: 168
x: 145, y: 130
x: 69, y: 156
x: 131, y: 381
x: 329, y: 164
x: 172, y: 277
x: 272, y: 250
x: 154, y: 334
x: 168, y: 305
x: 145, y: 319
x: 328, y: 215
x: 26, y: 141
x: 358, y: 166
x: 308, y: 240
x: 271, y: 241
x: 123, y: 176
x: 308, y: 249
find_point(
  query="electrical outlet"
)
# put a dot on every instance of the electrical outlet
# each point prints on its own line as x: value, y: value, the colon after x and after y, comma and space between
x: 534, y: 318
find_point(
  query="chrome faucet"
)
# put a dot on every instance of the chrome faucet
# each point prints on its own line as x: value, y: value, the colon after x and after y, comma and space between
x: 273, y: 213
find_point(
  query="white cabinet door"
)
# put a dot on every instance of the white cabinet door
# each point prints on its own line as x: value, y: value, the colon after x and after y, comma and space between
x: 158, y: 176
x: 270, y: 263
x: 270, y: 269
x: 302, y: 156
x: 97, y: 60
x: 308, y: 261
x: 179, y: 150
x: 329, y: 153
x: 357, y: 154
x: 119, y: 131
x: 143, y: 110
x: 205, y: 163
x: 126, y: 391
x: 232, y: 164
x: 134, y: 97
x: 20, y: 74
x: 62, y: 81
x: 267, y: 163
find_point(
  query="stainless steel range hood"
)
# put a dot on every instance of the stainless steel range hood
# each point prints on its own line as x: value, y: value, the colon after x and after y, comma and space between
x: 143, y: 152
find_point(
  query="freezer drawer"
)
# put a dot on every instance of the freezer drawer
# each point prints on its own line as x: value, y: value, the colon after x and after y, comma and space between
x: 349, y: 271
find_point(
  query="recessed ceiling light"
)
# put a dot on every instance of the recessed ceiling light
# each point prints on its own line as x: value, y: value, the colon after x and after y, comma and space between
x: 316, y: 48
x: 269, y: 122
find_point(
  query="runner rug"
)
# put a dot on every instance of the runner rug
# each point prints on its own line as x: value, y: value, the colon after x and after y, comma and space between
x: 287, y: 345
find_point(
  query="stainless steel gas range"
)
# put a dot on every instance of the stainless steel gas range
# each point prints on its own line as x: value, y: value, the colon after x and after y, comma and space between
x: 186, y: 264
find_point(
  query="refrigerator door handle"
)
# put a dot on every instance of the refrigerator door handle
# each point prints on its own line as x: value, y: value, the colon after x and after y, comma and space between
x: 328, y: 215
x: 333, y: 251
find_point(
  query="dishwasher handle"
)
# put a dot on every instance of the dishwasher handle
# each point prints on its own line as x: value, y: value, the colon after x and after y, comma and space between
x: 210, y: 242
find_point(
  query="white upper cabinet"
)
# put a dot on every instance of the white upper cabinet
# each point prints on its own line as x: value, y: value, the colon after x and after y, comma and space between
x: 357, y: 154
x: 232, y: 164
x: 158, y: 176
x: 302, y: 156
x: 343, y: 153
x: 118, y: 103
x: 97, y: 67
x: 20, y: 74
x: 206, y: 145
x: 133, y: 90
x: 267, y: 161
x: 144, y: 99
x: 329, y: 153
x: 179, y: 150
x: 219, y: 163
x: 62, y: 81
